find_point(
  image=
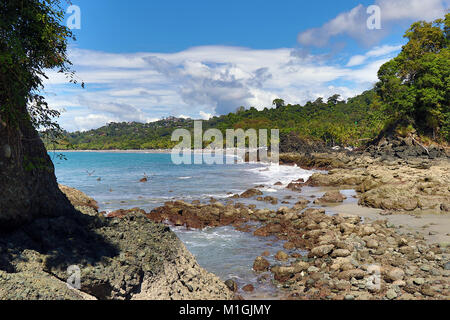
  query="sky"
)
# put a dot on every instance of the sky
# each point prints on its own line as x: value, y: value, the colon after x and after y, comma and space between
x: 142, y: 60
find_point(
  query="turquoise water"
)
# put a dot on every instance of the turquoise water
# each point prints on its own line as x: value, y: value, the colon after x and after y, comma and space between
x: 113, y: 180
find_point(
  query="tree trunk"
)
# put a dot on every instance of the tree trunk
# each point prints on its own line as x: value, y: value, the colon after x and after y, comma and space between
x: 28, y: 187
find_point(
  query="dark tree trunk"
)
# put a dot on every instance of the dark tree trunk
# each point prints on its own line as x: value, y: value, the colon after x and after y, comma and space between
x: 28, y: 187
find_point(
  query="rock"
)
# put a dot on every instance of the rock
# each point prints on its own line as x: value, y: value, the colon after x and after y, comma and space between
x: 122, y: 213
x: 395, y: 274
x: 427, y: 291
x: 367, y: 231
x: 283, y: 210
x: 231, y: 284
x: 372, y: 243
x: 270, y: 199
x: 353, y: 273
x: 300, y: 266
x: 391, y: 294
x: 248, y: 288
x: 78, y: 199
x: 447, y: 266
x: 399, y: 283
x: 349, y: 218
x: 340, y: 253
x: 251, y: 193
x: 419, y: 281
x: 313, y: 269
x: 143, y: 180
x: 320, y: 251
x: 295, y: 186
x: 282, y: 274
x: 346, y: 228
x: 281, y: 256
x: 261, y: 264
x: 349, y: 297
x: 331, y: 197
x: 278, y: 183
x: 289, y: 245
x: 128, y: 258
x: 425, y: 268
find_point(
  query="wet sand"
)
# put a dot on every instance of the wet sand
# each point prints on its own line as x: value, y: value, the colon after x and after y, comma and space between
x: 436, y: 224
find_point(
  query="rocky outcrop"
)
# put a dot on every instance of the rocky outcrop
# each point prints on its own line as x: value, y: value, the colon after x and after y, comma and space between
x: 199, y: 216
x: 323, y: 160
x: 291, y: 142
x: 409, y: 185
x: 78, y: 199
x: 119, y: 258
x: 391, y: 143
x: 182, y: 278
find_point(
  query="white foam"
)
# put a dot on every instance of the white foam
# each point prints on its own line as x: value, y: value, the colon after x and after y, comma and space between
x: 272, y: 173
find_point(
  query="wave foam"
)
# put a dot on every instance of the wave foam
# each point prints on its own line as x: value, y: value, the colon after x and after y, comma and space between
x: 272, y: 173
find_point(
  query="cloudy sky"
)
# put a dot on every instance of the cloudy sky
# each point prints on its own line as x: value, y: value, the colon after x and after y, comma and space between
x: 143, y: 60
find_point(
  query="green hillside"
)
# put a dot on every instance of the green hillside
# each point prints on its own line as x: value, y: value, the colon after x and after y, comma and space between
x: 333, y: 122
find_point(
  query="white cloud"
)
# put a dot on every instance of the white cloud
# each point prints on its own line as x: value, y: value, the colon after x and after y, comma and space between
x: 386, y: 50
x: 205, y: 116
x: 92, y: 121
x: 201, y: 81
x: 353, y: 23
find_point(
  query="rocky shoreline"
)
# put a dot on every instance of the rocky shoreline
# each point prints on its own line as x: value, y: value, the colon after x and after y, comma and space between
x: 130, y: 254
x: 349, y: 257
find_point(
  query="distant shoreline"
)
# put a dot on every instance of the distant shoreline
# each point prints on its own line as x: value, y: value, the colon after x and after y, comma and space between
x: 117, y: 151
x: 132, y: 151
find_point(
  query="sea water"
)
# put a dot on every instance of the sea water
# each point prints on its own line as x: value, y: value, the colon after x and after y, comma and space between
x: 113, y: 178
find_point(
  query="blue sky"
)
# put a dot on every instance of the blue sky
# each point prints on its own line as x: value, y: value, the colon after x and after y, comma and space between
x: 146, y: 59
x: 171, y: 26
